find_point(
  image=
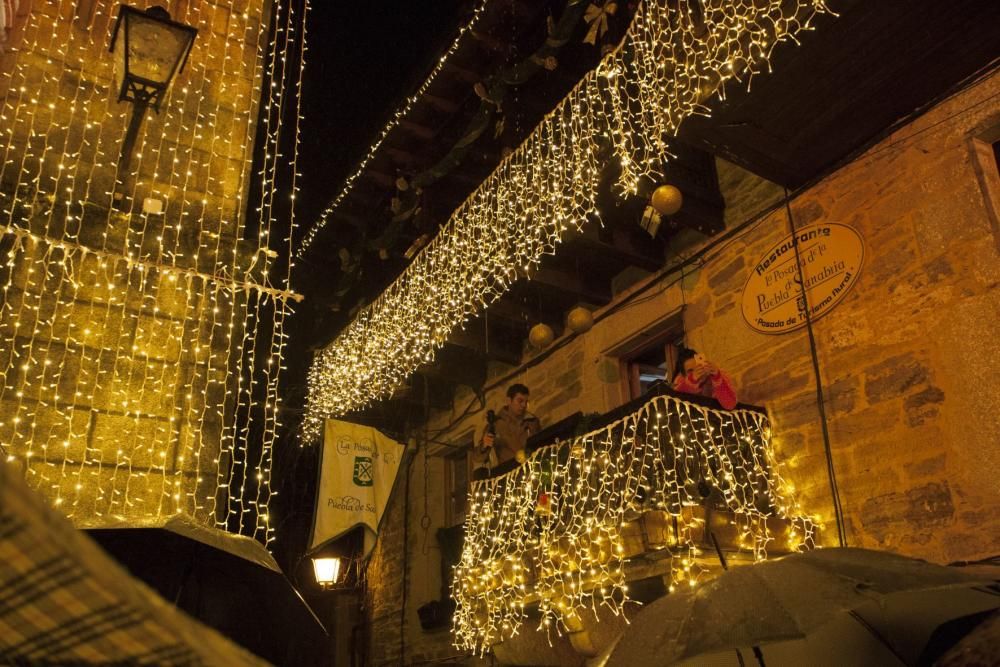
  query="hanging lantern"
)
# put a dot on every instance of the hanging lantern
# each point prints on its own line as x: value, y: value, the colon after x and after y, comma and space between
x: 327, y: 571
x: 667, y: 200
x: 541, y: 336
x: 579, y: 320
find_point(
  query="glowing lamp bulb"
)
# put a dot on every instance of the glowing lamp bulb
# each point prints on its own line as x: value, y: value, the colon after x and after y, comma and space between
x: 327, y: 570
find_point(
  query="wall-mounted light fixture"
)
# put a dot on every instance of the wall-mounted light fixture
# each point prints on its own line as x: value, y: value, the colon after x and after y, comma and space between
x: 327, y: 571
x: 149, y: 50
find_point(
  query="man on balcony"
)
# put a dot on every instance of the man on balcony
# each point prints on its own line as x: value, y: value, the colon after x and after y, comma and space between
x: 506, y: 433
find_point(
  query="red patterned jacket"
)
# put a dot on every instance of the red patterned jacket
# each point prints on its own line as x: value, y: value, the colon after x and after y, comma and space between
x: 717, y: 386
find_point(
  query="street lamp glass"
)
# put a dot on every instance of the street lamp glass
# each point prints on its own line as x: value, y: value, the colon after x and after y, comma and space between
x: 327, y: 571
x: 149, y: 50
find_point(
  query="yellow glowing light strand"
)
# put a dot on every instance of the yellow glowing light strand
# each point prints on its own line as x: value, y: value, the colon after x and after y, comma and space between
x: 118, y: 335
x: 398, y: 116
x: 567, y: 552
x: 664, y: 70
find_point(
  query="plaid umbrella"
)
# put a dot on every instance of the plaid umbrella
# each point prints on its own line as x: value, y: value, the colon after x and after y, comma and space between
x: 64, y: 602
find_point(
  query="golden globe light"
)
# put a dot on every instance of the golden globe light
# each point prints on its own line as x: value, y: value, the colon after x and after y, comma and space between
x: 667, y: 200
x: 579, y: 320
x: 541, y: 336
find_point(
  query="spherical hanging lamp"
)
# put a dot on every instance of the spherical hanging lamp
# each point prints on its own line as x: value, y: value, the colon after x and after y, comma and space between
x: 579, y: 320
x: 667, y: 200
x: 541, y: 336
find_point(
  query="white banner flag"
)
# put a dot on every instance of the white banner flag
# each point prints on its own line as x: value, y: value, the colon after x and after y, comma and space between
x: 357, y: 471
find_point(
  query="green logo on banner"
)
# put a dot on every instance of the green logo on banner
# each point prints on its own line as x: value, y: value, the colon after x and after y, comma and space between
x: 363, y: 472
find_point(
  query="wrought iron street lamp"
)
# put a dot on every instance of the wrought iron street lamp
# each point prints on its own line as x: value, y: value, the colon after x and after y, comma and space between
x: 149, y: 50
x: 327, y: 571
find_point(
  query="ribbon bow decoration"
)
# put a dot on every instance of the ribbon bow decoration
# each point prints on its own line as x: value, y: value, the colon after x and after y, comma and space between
x: 597, y: 17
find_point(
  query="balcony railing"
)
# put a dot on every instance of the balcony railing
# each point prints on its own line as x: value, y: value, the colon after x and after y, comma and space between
x: 553, y: 531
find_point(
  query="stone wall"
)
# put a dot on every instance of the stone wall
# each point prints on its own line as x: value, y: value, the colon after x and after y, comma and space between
x: 385, y: 577
x: 907, y: 360
x: 121, y: 329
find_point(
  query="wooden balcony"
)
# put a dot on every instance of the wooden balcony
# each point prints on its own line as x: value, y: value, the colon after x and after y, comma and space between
x: 619, y: 508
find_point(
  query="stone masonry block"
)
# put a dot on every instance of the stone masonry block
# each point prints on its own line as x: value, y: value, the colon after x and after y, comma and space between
x: 142, y: 443
x: 916, y: 508
x: 893, y: 377
x: 931, y: 467
x: 159, y: 338
x: 729, y: 277
x: 923, y: 406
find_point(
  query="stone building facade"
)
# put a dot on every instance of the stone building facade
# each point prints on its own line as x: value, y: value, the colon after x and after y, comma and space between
x: 133, y: 296
x: 907, y: 362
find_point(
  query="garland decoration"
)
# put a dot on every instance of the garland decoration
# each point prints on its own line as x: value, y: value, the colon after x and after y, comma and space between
x: 552, y: 531
x: 405, y: 205
x: 666, y: 68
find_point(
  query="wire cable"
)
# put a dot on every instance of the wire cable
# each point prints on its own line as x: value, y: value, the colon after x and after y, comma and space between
x: 838, y: 510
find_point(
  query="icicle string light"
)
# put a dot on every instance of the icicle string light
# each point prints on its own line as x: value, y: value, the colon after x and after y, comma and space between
x: 667, y: 66
x: 552, y: 531
x: 135, y: 347
x: 400, y: 114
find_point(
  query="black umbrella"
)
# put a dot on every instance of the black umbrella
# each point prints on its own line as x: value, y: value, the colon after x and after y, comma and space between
x: 825, y: 607
x: 228, y: 582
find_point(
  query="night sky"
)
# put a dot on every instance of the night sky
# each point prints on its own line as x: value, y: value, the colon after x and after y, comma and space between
x: 364, y: 58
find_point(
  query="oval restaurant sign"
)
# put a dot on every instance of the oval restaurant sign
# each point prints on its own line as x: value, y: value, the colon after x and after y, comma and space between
x: 831, y: 256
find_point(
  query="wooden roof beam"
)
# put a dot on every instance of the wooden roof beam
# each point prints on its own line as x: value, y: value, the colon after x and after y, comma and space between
x: 441, y: 103
x: 569, y: 287
x: 381, y: 178
x: 462, y: 73
x: 458, y: 365
x: 490, y: 42
x: 621, y: 246
x: 417, y: 130
x: 500, y: 348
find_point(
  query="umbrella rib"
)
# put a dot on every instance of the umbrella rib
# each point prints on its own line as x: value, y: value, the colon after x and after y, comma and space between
x: 878, y: 635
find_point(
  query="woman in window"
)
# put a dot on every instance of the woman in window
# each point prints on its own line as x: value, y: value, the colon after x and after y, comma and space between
x: 694, y: 374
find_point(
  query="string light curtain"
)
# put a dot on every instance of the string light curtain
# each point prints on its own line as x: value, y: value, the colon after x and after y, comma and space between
x: 673, y: 58
x: 139, y: 350
x: 551, y: 531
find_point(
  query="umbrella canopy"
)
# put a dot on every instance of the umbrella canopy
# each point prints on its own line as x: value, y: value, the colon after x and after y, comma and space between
x: 64, y: 602
x: 830, y: 606
x: 229, y: 582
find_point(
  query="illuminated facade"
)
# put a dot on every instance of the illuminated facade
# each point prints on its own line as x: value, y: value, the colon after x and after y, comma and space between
x: 908, y: 438
x: 141, y: 324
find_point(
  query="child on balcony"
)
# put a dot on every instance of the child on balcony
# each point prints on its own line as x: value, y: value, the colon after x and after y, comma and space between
x: 696, y: 375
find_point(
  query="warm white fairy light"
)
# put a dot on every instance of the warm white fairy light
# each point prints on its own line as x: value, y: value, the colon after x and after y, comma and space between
x: 664, y: 70
x: 121, y: 333
x: 551, y: 532
x: 400, y: 114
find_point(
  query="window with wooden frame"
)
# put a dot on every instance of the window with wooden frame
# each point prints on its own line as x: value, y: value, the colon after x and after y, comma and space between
x: 648, y: 356
x: 457, y: 473
x: 648, y: 366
